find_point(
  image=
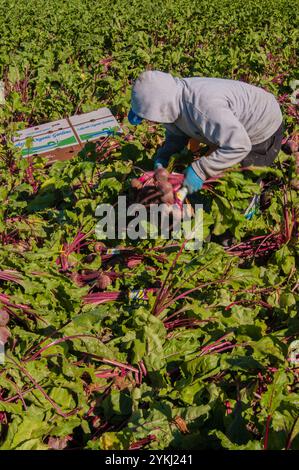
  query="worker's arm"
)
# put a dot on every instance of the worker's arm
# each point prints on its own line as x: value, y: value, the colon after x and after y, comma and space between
x: 174, y: 142
x: 220, y: 126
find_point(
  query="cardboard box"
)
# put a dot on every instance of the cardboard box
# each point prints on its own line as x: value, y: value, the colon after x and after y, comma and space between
x: 94, y: 125
x: 60, y: 140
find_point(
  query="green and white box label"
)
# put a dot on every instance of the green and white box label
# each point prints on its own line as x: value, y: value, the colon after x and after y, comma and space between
x: 45, y: 138
x: 94, y: 125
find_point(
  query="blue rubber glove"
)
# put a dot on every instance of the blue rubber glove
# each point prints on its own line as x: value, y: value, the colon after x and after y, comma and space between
x: 133, y: 118
x: 192, y: 181
x: 160, y: 162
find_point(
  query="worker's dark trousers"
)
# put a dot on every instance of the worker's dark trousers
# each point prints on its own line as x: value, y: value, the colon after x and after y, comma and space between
x: 264, y: 154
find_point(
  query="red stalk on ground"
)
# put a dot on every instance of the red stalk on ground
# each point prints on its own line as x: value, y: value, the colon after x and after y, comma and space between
x: 103, y: 297
x: 11, y: 275
x: 142, y: 442
x: 5, y: 299
x: 47, y: 397
x: 69, y: 248
x: 57, y: 341
x: 266, y: 437
x: 113, y: 362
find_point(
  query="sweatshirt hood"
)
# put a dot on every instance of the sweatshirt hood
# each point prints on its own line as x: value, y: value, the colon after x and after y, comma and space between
x: 157, y: 96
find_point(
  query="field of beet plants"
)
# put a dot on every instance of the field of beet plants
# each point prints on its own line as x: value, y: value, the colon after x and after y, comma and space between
x: 143, y: 344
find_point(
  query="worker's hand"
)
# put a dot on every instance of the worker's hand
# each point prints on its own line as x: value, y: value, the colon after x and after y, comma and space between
x: 192, y: 181
x: 160, y: 162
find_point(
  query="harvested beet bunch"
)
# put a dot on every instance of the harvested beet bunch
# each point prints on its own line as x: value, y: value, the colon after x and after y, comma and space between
x: 157, y: 187
x: 160, y: 186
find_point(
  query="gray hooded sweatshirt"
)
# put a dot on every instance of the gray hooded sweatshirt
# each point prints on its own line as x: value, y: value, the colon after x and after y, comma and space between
x: 228, y: 115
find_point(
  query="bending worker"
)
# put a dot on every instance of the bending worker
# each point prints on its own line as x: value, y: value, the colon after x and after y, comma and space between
x: 240, y: 122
